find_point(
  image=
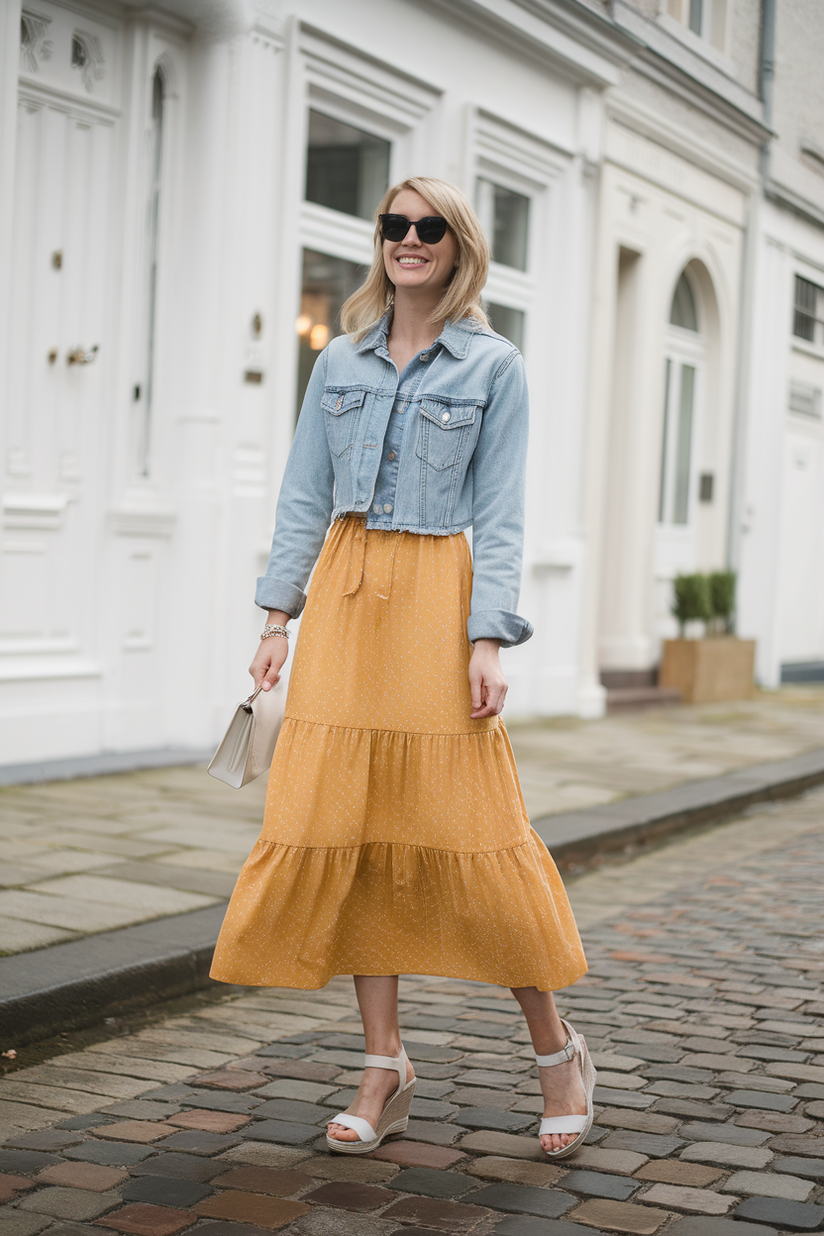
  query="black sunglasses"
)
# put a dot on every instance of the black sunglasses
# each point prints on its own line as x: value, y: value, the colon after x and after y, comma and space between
x: 430, y: 230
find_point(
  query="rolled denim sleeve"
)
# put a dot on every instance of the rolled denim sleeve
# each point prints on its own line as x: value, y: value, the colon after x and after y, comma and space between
x: 499, y: 467
x: 304, y: 506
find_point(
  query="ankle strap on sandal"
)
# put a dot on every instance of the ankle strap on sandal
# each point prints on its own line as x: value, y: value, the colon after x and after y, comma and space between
x: 558, y: 1057
x: 398, y: 1063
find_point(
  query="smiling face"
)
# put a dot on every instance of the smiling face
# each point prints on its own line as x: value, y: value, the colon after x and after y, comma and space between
x: 412, y: 265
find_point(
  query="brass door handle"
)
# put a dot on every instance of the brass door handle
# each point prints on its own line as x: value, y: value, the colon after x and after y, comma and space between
x: 79, y: 356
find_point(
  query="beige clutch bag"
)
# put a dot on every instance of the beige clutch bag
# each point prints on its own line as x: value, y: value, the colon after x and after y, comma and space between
x: 248, y: 745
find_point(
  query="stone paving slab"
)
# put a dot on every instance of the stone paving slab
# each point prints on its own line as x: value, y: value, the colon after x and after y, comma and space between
x: 706, y: 963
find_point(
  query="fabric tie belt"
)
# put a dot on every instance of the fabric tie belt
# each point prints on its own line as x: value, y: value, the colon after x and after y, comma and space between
x: 357, y: 560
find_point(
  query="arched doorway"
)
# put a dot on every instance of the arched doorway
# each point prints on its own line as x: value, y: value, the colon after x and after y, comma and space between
x: 695, y: 442
x: 668, y: 459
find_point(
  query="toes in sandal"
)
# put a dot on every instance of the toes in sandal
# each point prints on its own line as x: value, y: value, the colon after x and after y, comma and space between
x: 393, y: 1119
x: 575, y: 1048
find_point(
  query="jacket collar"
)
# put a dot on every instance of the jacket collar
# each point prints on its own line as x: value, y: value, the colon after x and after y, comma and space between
x: 455, y: 336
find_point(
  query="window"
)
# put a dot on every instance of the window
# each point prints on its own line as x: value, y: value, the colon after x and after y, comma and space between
x: 808, y: 317
x: 705, y: 18
x: 682, y: 311
x: 504, y: 216
x: 508, y: 322
x: 327, y: 283
x: 679, y: 413
x: 676, y: 451
x: 346, y: 168
x: 144, y: 386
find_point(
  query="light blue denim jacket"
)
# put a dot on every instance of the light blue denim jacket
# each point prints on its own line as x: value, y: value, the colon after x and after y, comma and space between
x: 461, y: 464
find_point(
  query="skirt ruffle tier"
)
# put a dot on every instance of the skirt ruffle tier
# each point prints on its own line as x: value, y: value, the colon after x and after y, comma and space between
x: 395, y: 837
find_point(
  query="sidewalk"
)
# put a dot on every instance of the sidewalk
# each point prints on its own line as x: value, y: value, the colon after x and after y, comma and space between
x: 703, y: 1008
x: 103, y: 853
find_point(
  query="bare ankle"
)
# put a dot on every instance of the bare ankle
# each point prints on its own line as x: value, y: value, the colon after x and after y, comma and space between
x: 393, y: 1050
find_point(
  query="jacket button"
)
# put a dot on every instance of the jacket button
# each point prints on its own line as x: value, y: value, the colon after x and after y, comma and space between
x: 376, y: 507
x: 391, y: 455
x: 445, y: 416
x: 340, y: 401
x: 387, y: 507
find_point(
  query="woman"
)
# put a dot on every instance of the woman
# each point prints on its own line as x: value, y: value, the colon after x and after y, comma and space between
x: 395, y: 837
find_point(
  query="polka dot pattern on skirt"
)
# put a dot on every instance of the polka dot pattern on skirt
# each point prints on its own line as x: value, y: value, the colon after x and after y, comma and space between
x: 395, y: 838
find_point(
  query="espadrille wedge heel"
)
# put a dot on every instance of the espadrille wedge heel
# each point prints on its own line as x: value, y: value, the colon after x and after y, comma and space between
x: 393, y: 1119
x: 575, y: 1048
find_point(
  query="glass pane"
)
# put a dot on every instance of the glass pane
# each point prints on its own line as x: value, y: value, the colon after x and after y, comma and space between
x: 683, y: 312
x: 662, y: 496
x: 507, y: 322
x: 696, y: 8
x: 327, y: 283
x: 144, y: 391
x: 683, y: 446
x: 806, y: 295
x: 506, y: 217
x: 346, y: 169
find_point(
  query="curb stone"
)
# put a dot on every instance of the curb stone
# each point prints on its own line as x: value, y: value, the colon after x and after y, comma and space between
x: 576, y: 838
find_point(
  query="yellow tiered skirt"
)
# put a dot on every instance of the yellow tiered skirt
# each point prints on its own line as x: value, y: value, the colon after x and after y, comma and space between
x: 395, y: 838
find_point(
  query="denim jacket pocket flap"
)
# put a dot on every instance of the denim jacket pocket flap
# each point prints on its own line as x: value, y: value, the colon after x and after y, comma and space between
x: 337, y: 402
x: 437, y: 446
x: 448, y: 415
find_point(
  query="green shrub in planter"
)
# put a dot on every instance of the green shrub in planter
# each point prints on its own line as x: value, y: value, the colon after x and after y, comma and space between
x: 722, y: 600
x: 691, y: 599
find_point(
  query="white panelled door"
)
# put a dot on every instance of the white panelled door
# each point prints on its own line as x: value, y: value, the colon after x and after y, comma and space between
x: 801, y: 594
x: 57, y: 385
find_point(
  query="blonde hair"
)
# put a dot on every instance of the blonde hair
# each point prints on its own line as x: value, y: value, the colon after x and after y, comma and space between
x: 462, y: 294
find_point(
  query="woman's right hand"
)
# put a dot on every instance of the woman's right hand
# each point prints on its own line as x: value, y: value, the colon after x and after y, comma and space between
x: 268, y: 661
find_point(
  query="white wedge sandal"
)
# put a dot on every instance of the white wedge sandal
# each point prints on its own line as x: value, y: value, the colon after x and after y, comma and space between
x: 572, y: 1123
x: 393, y: 1119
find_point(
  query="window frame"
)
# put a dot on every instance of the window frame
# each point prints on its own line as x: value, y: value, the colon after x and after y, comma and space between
x: 703, y: 43
x: 682, y: 348
x: 817, y: 316
x: 496, y: 183
x: 507, y: 285
x: 353, y: 117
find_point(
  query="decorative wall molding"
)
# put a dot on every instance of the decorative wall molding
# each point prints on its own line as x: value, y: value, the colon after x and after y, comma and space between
x: 634, y: 115
x: 38, y: 512
x: 33, y: 94
x: 396, y: 100
x: 47, y: 665
x: 87, y: 58
x: 142, y: 523
x: 342, y: 236
x: 34, y: 46
x: 510, y: 146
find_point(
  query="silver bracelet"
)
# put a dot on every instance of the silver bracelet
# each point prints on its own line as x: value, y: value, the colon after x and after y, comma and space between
x: 274, y: 628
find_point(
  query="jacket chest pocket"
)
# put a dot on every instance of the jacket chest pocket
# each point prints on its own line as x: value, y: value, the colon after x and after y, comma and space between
x: 341, y: 413
x: 446, y: 431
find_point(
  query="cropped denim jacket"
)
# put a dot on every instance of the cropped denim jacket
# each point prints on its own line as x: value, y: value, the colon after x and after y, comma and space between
x: 461, y: 464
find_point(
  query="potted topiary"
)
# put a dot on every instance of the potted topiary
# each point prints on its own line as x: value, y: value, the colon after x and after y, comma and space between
x: 718, y: 666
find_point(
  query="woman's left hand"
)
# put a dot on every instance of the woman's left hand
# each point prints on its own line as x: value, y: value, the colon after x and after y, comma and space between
x: 486, y: 680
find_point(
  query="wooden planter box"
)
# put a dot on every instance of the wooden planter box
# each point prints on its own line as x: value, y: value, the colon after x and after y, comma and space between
x: 714, y: 668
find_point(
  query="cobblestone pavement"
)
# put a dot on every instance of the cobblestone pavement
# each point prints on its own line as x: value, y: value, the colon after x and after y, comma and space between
x: 703, y: 1009
x: 101, y: 853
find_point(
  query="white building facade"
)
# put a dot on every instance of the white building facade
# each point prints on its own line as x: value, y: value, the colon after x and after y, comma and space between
x: 780, y: 534
x: 186, y: 194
